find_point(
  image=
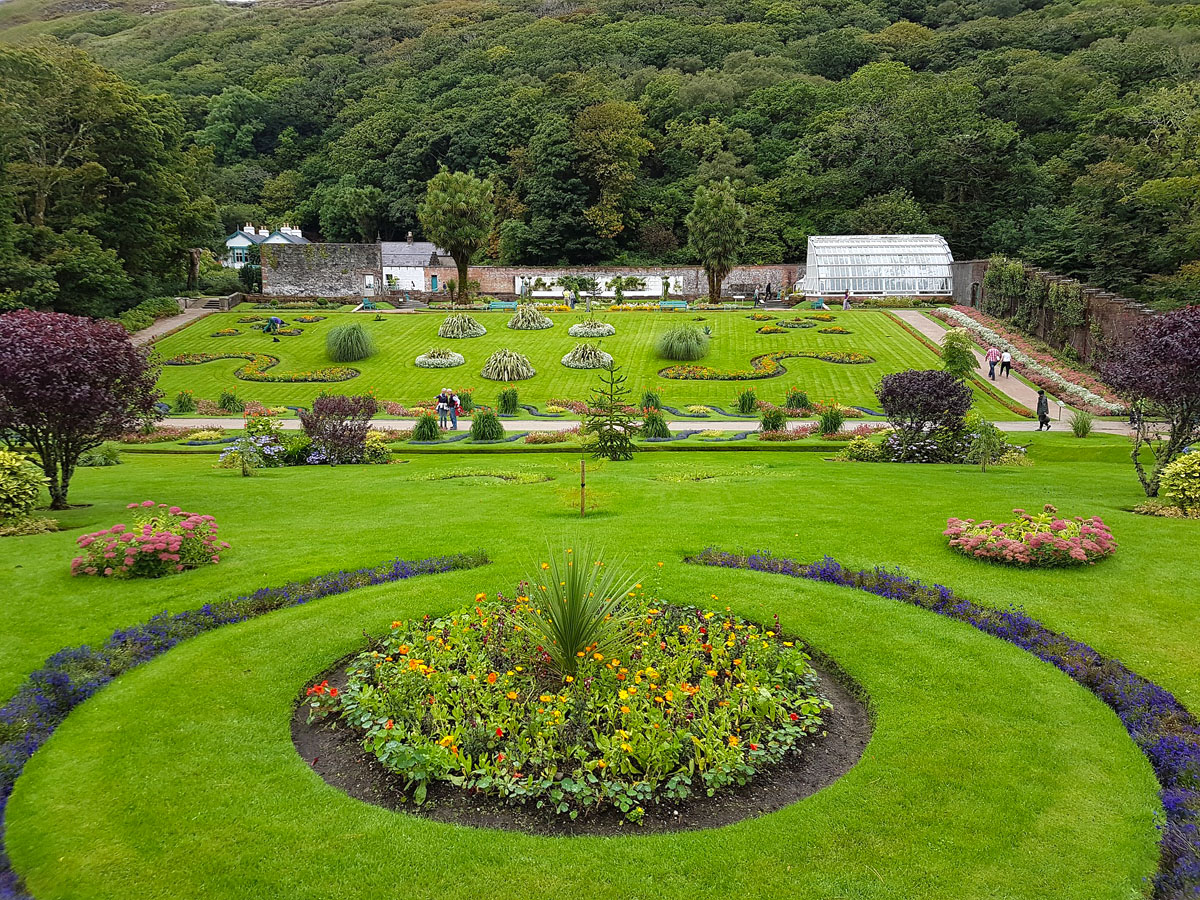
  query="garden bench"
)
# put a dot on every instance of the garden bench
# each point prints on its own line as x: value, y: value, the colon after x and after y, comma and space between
x: 672, y: 305
x: 368, y: 303
x: 502, y: 304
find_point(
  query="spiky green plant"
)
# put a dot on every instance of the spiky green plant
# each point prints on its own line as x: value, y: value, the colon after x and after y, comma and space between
x: 508, y: 401
x: 687, y: 342
x: 507, y: 365
x: 486, y: 426
x: 577, y: 607
x: 349, y: 343
x: 587, y: 356
x: 746, y: 402
x: 460, y: 325
x: 796, y: 399
x: 528, y: 317
x: 426, y: 428
x: 654, y: 424
x: 651, y: 399
x: 773, y: 419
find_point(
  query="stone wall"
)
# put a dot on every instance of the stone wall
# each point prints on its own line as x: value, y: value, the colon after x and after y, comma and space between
x: 500, y: 280
x: 323, y: 270
x: 967, y: 284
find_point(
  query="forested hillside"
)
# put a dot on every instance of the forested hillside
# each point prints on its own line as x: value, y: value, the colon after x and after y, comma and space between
x: 1067, y: 134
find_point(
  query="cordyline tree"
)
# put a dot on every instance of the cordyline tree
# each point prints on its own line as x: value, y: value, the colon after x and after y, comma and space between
x: 919, y: 402
x: 69, y: 383
x: 1157, y: 369
x: 716, y: 232
x: 457, y: 216
x: 337, y: 425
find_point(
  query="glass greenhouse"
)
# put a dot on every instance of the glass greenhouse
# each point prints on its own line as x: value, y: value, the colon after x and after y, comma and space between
x: 878, y: 265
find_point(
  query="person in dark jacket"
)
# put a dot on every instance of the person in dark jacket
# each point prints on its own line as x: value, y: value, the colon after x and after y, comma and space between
x: 1043, y: 411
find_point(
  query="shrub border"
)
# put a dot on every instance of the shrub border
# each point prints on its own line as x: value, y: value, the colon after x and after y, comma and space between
x: 74, y: 674
x: 1162, y: 728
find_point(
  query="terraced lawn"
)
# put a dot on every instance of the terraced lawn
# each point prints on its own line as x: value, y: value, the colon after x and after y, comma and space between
x: 990, y: 774
x: 393, y: 375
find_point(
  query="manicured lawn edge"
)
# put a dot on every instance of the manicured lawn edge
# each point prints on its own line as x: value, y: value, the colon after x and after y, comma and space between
x: 1161, y: 727
x: 74, y: 674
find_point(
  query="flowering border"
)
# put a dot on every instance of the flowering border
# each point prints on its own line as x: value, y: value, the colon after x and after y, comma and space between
x: 765, y: 365
x: 255, y: 369
x: 74, y: 674
x: 1161, y: 727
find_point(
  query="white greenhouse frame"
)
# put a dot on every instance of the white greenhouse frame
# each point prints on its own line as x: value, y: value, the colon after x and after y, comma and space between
x: 883, y: 265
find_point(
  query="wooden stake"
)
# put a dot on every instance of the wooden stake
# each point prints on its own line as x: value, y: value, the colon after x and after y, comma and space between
x: 582, y: 489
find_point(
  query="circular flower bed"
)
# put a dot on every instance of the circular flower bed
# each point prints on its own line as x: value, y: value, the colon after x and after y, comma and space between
x: 770, y: 329
x: 439, y: 358
x: 587, y: 356
x: 834, y: 329
x: 226, y: 332
x: 760, y: 317
x: 1045, y: 540
x: 591, y: 329
x: 460, y: 325
x: 309, y: 320
x: 661, y: 704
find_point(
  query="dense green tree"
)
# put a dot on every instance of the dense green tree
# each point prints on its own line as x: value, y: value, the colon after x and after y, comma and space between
x: 457, y: 216
x: 716, y: 232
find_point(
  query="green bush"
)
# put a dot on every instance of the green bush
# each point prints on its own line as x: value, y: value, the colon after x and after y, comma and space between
x: 958, y: 353
x: 1180, y: 482
x: 773, y: 419
x: 508, y: 401
x: 426, y: 428
x: 230, y: 402
x: 863, y: 449
x: 20, y: 485
x: 1081, y: 423
x: 687, y: 342
x: 746, y: 402
x: 507, y: 365
x: 651, y: 399
x: 831, y: 419
x: 796, y: 399
x: 185, y: 402
x: 107, y: 454
x: 349, y: 343
x: 654, y: 425
x: 375, y: 449
x: 226, y: 281
x: 486, y: 426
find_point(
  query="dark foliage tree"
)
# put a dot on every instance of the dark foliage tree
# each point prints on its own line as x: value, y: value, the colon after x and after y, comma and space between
x: 67, y: 384
x: 610, y: 421
x: 338, y: 424
x: 1157, y: 369
x: 919, y: 402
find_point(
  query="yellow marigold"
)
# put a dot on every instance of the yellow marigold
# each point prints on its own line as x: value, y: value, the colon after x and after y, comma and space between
x: 480, y: 597
x: 733, y: 740
x: 628, y: 748
x: 511, y: 695
x: 545, y: 698
x: 625, y: 710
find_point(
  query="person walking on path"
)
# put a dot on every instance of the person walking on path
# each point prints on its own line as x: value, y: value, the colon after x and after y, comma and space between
x: 1005, y: 363
x: 455, y: 406
x: 1043, y: 411
x: 443, y: 406
x: 992, y: 357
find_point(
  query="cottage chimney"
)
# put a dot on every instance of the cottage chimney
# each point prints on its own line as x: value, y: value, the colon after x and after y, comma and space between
x: 410, y: 239
x: 263, y: 231
x: 248, y: 228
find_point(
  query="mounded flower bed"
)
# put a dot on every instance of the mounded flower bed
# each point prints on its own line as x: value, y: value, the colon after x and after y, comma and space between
x: 660, y: 704
x: 439, y: 358
x: 591, y: 329
x: 161, y: 540
x: 587, y: 356
x: 528, y: 317
x: 1043, y: 541
x: 460, y: 325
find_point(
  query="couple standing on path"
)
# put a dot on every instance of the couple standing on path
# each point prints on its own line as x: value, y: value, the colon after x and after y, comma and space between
x: 995, y: 356
x: 448, y: 406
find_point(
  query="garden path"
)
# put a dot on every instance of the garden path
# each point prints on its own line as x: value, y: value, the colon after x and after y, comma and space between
x: 1013, y: 387
x: 163, y: 327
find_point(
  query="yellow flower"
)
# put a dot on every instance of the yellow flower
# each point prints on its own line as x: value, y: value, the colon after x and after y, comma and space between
x: 625, y: 710
x: 569, y: 679
x: 787, y: 643
x: 511, y: 695
x: 624, y: 695
x: 733, y: 740
x: 545, y: 566
x: 712, y: 673
x: 480, y: 597
x: 545, y: 698
x: 628, y: 748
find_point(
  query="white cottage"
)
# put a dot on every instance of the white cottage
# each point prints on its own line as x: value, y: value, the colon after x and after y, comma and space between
x: 238, y: 244
x: 404, y: 264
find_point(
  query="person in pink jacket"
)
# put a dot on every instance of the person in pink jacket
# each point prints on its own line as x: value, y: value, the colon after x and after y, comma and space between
x: 992, y: 357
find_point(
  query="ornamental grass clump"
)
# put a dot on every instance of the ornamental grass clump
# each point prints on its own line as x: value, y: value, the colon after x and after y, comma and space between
x: 746, y: 402
x: 1043, y: 541
x: 161, y: 541
x: 528, y: 317
x: 654, y: 424
x: 349, y: 343
x: 486, y: 426
x: 796, y: 400
x: 687, y: 342
x: 507, y: 365
x: 591, y: 328
x: 587, y: 356
x: 460, y: 325
x: 508, y: 401
x: 426, y: 429
x: 439, y: 358
x: 772, y: 419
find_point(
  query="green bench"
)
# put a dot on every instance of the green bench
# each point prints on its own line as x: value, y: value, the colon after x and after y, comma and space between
x: 502, y: 304
x: 673, y: 305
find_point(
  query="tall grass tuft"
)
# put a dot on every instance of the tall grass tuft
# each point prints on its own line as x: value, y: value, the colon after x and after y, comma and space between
x: 796, y: 399
x: 1081, y: 423
x: 651, y: 399
x: 426, y: 428
x: 687, y: 342
x: 773, y: 419
x: 831, y: 419
x: 348, y: 343
x: 654, y: 424
x: 508, y: 401
x: 460, y: 325
x: 528, y: 317
x: 746, y: 402
x: 486, y: 426
x: 577, y: 607
x: 507, y: 365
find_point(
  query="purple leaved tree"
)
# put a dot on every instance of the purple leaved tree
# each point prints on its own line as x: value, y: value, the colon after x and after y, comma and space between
x: 68, y: 383
x: 1157, y: 369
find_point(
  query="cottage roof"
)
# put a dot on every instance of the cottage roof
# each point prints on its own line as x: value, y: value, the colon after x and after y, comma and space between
x: 413, y: 253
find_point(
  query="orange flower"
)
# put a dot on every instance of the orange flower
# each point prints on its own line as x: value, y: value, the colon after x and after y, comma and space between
x: 491, y: 679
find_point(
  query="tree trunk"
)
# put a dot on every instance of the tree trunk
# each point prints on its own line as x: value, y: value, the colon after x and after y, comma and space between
x: 57, y: 486
x: 714, y: 287
x: 462, y: 282
x: 193, y: 275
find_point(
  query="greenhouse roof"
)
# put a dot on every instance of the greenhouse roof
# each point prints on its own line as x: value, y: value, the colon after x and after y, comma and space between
x: 884, y: 264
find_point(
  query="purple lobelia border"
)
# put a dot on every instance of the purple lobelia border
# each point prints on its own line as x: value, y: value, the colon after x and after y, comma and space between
x: 74, y: 674
x: 1162, y: 727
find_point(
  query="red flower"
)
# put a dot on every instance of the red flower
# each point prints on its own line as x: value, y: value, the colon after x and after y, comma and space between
x: 333, y: 692
x: 499, y: 732
x: 793, y: 717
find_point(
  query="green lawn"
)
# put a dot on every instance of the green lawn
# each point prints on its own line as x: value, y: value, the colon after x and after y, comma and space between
x: 989, y: 774
x: 393, y: 375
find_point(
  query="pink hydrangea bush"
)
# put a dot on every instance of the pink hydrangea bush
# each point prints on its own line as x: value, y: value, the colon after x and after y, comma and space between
x: 1043, y: 540
x: 161, y: 540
